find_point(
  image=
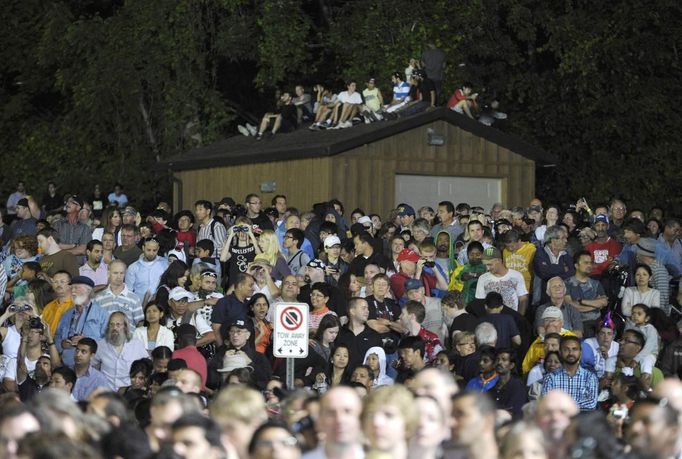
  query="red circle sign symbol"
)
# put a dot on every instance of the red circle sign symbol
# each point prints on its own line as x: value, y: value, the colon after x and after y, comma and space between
x: 291, y: 318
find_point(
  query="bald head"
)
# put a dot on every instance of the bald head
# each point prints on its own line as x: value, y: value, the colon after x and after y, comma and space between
x: 554, y: 413
x: 438, y: 384
x: 339, y: 420
x: 671, y: 389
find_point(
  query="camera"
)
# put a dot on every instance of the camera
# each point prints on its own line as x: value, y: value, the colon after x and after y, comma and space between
x: 240, y: 229
x: 620, y: 412
x: 35, y: 322
x: 20, y: 308
x: 430, y: 264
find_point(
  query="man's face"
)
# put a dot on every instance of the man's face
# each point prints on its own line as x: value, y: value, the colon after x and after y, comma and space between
x: 360, y: 312
x: 95, y: 255
x: 600, y: 228
x: 339, y: 418
x: 191, y: 443
x: 618, y: 210
x: 554, y: 414
x: 406, y: 220
x: 493, y: 266
x: 553, y: 325
x: 43, y: 368
x: 179, y: 307
x: 80, y: 294
x: 208, y: 283
x: 361, y: 375
x: 150, y: 249
x: 23, y: 212
x: 187, y: 382
x: 445, y: 216
x: 570, y: 352
x: 503, y: 364
x: 82, y: 355
x: 253, y: 205
x: 127, y: 238
x: 466, y: 421
x: 359, y: 245
x: 201, y: 213
x: 370, y: 272
x: 290, y: 287
x: 670, y: 232
x: 630, y: 236
x: 58, y: 382
x: 314, y: 274
x: 476, y: 232
x: 416, y: 294
x: 648, y: 433
x: 60, y: 283
x: 42, y: 243
x: 629, y: 346
x: 245, y: 289
x: 293, y: 221
x: 72, y: 206
x: 559, y: 242
x: 557, y: 289
x: 238, y: 337
x: 605, y: 337
x: 108, y: 242
x: 443, y: 243
x: 410, y: 357
x: 380, y: 287
x: 116, y: 329
x: 551, y: 344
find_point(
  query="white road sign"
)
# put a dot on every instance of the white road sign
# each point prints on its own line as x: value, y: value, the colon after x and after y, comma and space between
x: 291, y: 330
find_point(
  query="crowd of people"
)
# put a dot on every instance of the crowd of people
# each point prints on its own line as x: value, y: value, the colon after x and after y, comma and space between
x: 539, y: 331
x: 417, y: 89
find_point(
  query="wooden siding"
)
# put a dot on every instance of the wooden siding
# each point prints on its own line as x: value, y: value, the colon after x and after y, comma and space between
x: 365, y: 176
x: 302, y: 181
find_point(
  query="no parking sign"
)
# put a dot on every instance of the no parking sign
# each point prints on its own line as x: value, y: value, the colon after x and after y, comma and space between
x: 291, y: 330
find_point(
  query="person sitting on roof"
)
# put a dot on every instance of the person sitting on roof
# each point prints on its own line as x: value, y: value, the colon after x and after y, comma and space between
x: 373, y: 102
x: 324, y: 105
x: 463, y: 101
x: 282, y: 119
x: 401, y: 93
x: 348, y: 105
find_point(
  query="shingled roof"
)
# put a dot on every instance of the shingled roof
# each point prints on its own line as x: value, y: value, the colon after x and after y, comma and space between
x: 304, y: 143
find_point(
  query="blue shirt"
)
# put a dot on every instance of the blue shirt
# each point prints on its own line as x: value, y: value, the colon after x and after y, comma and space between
x: 477, y: 384
x: 402, y: 90
x: 583, y: 387
x: 628, y: 256
x: 92, y: 323
x: 92, y: 379
x: 143, y: 276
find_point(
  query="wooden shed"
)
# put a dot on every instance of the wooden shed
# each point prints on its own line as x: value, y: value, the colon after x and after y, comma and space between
x: 371, y: 166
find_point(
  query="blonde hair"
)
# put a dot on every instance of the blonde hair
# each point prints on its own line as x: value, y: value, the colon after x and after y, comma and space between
x: 237, y: 403
x: 398, y: 396
x: 271, y: 251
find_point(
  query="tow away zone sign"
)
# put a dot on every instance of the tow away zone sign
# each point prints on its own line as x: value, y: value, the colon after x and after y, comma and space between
x: 291, y: 330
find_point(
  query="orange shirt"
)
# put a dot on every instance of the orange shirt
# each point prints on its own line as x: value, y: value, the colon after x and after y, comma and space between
x: 53, y: 311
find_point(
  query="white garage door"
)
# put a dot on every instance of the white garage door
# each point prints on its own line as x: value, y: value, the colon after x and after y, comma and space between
x: 424, y: 190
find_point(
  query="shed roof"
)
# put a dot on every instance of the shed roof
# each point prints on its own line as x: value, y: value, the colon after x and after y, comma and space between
x: 303, y: 143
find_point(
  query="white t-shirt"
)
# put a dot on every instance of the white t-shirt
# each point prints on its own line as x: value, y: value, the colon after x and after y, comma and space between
x: 511, y: 286
x: 346, y: 98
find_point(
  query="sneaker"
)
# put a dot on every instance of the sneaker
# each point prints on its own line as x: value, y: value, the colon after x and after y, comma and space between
x: 259, y: 136
x: 345, y: 125
x: 252, y: 129
x: 500, y: 115
x: 314, y: 127
x: 243, y: 131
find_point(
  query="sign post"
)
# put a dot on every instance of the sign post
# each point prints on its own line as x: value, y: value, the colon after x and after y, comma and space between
x: 291, y: 335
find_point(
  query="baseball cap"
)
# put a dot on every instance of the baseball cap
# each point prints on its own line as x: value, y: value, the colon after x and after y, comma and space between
x: 413, y: 284
x: 408, y: 255
x: 239, y: 323
x: 82, y: 280
x: 75, y: 198
x: 492, y: 253
x: 405, y: 209
x: 552, y: 312
x: 179, y: 293
x: 129, y: 210
x: 601, y: 218
x: 331, y: 241
x: 23, y: 202
x: 365, y: 221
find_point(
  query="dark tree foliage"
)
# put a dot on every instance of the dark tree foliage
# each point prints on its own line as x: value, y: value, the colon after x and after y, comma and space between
x: 98, y: 91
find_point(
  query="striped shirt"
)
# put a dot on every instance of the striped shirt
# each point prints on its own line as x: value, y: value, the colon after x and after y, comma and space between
x: 126, y: 302
x: 216, y: 232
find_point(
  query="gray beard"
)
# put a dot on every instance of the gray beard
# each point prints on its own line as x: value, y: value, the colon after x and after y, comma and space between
x: 116, y: 339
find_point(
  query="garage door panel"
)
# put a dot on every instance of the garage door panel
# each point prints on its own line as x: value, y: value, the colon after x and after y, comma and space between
x: 422, y: 190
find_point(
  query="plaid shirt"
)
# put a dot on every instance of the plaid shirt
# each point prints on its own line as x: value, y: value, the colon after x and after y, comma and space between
x: 583, y: 387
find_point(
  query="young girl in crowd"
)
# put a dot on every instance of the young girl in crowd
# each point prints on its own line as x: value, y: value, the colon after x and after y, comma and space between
x: 640, y: 321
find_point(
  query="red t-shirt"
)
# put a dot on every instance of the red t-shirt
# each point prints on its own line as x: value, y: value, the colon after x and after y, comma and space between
x: 194, y: 360
x: 602, y: 254
x: 456, y: 97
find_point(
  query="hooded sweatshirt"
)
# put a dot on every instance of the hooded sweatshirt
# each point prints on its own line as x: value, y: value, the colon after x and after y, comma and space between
x: 382, y: 378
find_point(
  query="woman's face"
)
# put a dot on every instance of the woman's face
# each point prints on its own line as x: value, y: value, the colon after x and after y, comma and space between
x: 161, y: 365
x: 466, y: 347
x: 276, y: 443
x: 552, y: 363
x: 354, y: 285
x: 376, y: 222
x: 264, y: 244
x: 568, y: 220
x: 108, y: 242
x: 318, y: 299
x: 183, y: 279
x: 153, y: 314
x: 260, y: 308
x: 138, y: 381
x: 442, y: 361
x: 642, y: 277
x: 330, y: 334
x: 115, y: 218
x: 385, y: 428
x: 340, y: 357
x: 354, y: 217
x: 431, y: 430
x: 373, y: 362
x: 552, y: 215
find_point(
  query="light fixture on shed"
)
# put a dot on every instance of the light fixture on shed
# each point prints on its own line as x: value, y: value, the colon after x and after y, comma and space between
x: 434, y: 139
x: 268, y: 187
